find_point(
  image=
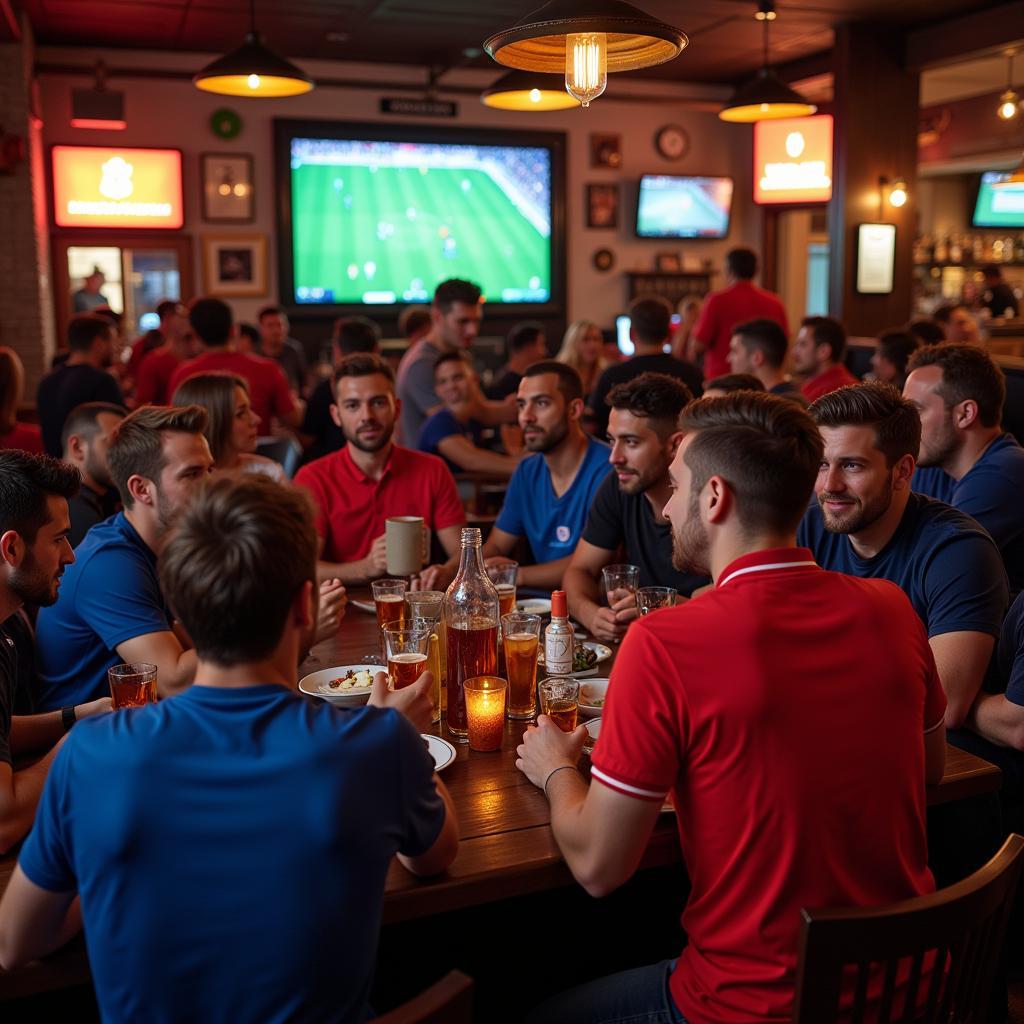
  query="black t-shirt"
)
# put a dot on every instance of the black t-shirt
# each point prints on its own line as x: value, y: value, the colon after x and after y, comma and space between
x: 506, y: 384
x: 616, y: 518
x: 62, y: 390
x: 8, y: 681
x: 999, y: 298
x: 621, y: 372
x: 328, y: 435
x: 87, y: 508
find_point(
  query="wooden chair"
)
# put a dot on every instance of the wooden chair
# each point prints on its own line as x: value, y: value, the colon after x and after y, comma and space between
x: 448, y: 1001
x: 964, y: 924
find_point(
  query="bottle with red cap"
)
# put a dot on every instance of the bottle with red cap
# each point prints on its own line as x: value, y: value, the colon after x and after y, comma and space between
x: 558, y: 638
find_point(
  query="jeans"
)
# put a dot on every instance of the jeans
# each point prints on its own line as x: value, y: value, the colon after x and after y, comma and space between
x: 639, y: 996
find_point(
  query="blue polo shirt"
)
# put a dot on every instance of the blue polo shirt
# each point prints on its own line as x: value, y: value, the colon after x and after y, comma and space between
x: 109, y: 595
x: 444, y: 424
x: 947, y: 565
x: 990, y: 492
x: 230, y: 848
x: 552, y: 525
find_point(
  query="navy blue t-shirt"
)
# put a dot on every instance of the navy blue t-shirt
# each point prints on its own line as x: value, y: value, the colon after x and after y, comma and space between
x: 944, y: 561
x: 110, y: 594
x: 64, y: 388
x: 230, y: 848
x: 990, y: 492
x: 444, y: 424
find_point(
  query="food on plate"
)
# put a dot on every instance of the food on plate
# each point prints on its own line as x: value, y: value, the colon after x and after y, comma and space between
x: 352, y: 680
x: 583, y: 658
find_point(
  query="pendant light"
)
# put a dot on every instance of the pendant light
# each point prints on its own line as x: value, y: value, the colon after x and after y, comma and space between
x: 1009, y: 101
x: 586, y: 40
x: 528, y: 90
x: 253, y: 70
x: 767, y: 97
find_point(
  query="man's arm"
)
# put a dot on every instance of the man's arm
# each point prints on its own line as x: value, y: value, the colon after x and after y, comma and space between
x: 499, y: 544
x: 34, y: 921
x: 460, y: 450
x: 444, y: 848
x: 934, y: 754
x: 545, y: 576
x: 31, y: 733
x: 582, y: 592
x: 999, y: 720
x: 493, y: 413
x: 19, y: 797
x: 961, y: 659
x: 175, y: 667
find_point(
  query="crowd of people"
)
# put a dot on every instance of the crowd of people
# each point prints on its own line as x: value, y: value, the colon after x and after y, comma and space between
x: 848, y: 556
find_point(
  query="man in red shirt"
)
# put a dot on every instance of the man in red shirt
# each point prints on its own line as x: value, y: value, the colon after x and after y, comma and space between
x: 756, y: 706
x: 357, y: 488
x: 818, y: 354
x: 739, y: 302
x: 158, y: 366
x: 214, y: 325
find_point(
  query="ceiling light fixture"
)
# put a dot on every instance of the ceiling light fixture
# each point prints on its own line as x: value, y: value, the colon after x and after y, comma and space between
x: 253, y: 70
x: 766, y: 97
x: 1009, y: 101
x: 98, y: 107
x: 587, y: 44
x: 528, y: 90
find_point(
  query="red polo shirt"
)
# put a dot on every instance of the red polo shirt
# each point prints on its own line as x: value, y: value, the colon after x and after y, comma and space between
x: 836, y: 376
x: 723, y: 311
x: 351, y: 507
x: 785, y: 712
x: 154, y: 375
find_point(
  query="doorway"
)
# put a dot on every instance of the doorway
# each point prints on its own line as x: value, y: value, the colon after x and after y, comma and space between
x: 802, y: 262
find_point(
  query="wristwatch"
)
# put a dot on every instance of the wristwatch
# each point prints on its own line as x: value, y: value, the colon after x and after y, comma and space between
x: 68, y: 718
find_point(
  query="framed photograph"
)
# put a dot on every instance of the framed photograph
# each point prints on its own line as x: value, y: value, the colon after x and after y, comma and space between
x: 606, y: 151
x: 235, y: 266
x: 667, y: 262
x: 228, y: 191
x: 602, y: 206
x: 876, y: 257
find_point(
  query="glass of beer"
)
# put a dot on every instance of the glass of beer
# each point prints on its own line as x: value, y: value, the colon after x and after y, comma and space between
x: 559, y: 700
x: 504, y: 579
x: 648, y: 599
x: 132, y: 686
x: 389, y: 599
x: 521, y: 636
x: 406, y: 651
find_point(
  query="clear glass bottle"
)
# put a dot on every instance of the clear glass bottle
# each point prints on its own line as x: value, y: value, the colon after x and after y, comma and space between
x: 471, y: 622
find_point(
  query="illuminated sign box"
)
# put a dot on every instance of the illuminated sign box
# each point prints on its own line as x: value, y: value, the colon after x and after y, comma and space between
x: 100, y: 187
x: 793, y: 160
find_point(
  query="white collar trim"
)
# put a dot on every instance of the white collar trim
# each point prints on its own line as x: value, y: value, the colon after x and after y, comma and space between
x: 763, y: 568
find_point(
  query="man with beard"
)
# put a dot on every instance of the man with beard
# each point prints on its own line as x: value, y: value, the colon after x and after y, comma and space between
x: 111, y: 609
x: 818, y: 353
x: 866, y: 522
x: 189, y: 827
x: 965, y: 457
x: 757, y: 707
x: 34, y: 548
x: 82, y: 377
x: 626, y: 513
x: 357, y: 488
x: 86, y: 437
x: 552, y: 490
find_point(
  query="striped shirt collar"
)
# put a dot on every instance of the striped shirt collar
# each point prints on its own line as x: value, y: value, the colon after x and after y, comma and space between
x: 764, y: 561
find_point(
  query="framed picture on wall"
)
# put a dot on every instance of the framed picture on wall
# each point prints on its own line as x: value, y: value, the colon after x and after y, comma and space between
x: 228, y: 191
x: 606, y: 151
x: 602, y: 206
x: 235, y: 266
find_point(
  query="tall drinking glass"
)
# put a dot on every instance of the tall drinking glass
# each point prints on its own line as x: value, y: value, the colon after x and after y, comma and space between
x: 521, y: 636
x: 433, y: 628
x: 504, y: 579
x: 429, y: 604
x: 389, y: 599
x: 407, y: 655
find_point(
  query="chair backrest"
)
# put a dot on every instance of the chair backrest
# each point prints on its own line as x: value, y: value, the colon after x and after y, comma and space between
x: 964, y: 926
x: 284, y: 450
x: 448, y: 1001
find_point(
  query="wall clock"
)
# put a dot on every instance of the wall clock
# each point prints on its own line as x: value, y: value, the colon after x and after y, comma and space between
x: 672, y: 142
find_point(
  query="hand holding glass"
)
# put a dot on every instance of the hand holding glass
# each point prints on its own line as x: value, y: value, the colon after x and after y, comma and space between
x: 132, y: 686
x: 407, y: 651
x: 559, y: 700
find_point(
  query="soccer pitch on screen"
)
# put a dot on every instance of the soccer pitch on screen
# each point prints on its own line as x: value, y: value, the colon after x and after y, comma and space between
x: 384, y: 222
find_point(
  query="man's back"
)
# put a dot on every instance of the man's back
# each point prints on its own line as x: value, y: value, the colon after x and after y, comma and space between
x: 659, y: 362
x: 66, y: 387
x: 785, y: 711
x: 414, y: 387
x: 230, y: 853
x: 154, y: 375
x: 723, y: 311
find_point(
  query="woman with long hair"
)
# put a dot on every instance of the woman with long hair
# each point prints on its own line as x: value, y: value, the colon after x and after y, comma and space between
x: 13, y: 434
x: 583, y: 350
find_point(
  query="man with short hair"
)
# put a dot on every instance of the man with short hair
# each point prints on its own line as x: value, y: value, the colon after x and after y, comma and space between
x: 552, y: 490
x: 111, y: 609
x: 866, y: 522
x: 86, y: 437
x: 157, y: 365
x: 626, y: 511
x: 958, y: 323
x: 277, y: 345
x: 650, y: 328
x: 34, y: 493
x: 271, y: 399
x: 82, y: 377
x: 966, y: 459
x: 356, y: 489
x: 89, y: 297
x: 769, y: 707
x: 889, y: 360
x: 230, y: 846
x: 998, y: 297
x: 414, y: 322
x: 719, y: 387
x: 741, y: 300
x: 759, y: 347
x: 173, y: 324
x: 525, y: 344
x: 818, y: 353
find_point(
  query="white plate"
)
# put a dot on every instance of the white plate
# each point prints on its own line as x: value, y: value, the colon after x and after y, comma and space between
x: 592, y: 689
x: 534, y: 606
x: 363, y: 606
x: 440, y: 750
x: 603, y: 654
x: 315, y: 684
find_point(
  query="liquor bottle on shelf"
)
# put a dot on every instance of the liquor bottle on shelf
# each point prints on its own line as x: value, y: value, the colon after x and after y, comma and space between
x: 471, y: 622
x: 942, y: 250
x: 1018, y: 250
x: 956, y: 250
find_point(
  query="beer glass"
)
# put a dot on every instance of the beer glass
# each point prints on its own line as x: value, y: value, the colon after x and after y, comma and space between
x: 559, y: 700
x: 521, y: 637
x: 406, y: 651
x: 133, y: 685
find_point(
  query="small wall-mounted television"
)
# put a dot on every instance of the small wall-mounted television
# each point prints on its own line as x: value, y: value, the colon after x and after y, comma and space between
x: 674, y: 206
x: 998, y: 207
x: 379, y: 214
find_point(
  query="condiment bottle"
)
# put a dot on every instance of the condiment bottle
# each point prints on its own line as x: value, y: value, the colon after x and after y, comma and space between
x: 558, y: 638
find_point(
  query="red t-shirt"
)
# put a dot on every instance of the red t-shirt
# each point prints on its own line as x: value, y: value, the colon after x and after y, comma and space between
x: 723, y: 311
x: 351, y: 507
x: 268, y: 388
x: 836, y: 376
x: 154, y: 375
x: 25, y: 436
x: 785, y: 711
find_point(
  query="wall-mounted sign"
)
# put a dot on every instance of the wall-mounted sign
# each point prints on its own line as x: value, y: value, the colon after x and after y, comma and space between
x: 793, y: 160
x: 100, y: 187
x: 403, y: 106
x: 876, y: 256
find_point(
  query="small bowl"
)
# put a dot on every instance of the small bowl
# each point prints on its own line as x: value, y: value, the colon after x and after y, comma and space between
x: 592, y: 690
x: 315, y: 685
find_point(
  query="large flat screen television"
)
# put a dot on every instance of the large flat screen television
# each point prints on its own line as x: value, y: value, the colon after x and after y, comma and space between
x: 998, y: 207
x: 673, y: 206
x: 378, y: 215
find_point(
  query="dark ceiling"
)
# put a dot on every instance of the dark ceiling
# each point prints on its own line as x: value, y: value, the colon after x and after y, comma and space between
x: 725, y: 40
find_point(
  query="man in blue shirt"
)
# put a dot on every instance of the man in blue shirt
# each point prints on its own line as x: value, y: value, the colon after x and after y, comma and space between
x: 551, y: 492
x: 965, y: 457
x: 230, y: 846
x: 866, y: 522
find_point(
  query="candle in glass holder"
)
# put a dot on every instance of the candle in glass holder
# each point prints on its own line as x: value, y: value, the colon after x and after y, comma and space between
x: 485, y: 711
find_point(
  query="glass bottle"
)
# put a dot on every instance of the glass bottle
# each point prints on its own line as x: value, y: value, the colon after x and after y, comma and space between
x: 558, y: 638
x: 471, y: 622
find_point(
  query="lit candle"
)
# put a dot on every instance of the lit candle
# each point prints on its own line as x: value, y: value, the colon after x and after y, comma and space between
x: 485, y: 711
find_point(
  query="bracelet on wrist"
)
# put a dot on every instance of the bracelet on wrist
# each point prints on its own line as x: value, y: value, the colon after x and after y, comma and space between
x: 555, y: 771
x: 68, y: 717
